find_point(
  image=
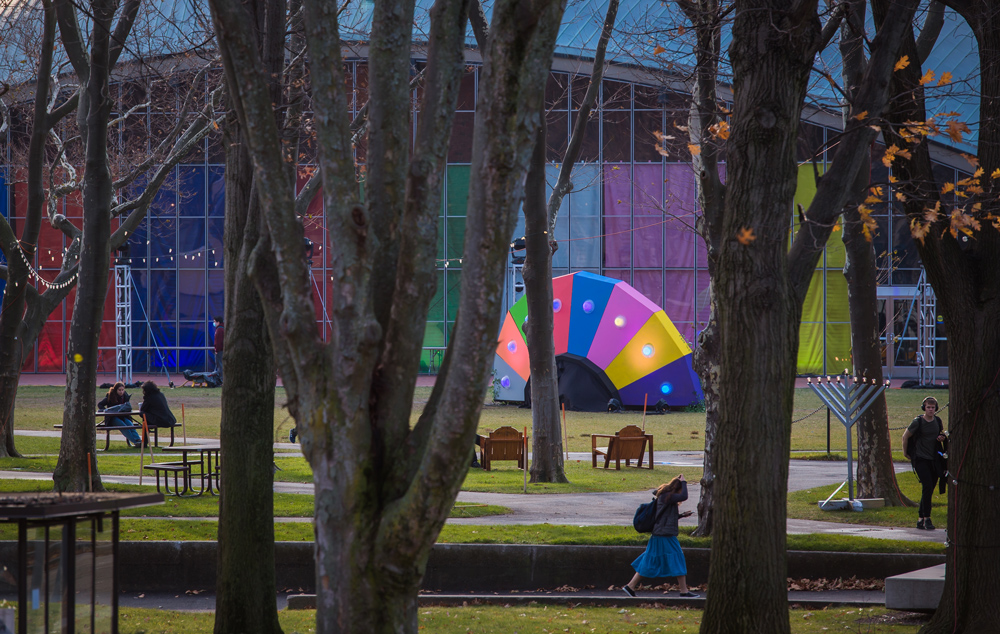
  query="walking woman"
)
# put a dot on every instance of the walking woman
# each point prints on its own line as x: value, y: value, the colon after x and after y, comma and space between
x: 663, y: 556
x: 117, y: 400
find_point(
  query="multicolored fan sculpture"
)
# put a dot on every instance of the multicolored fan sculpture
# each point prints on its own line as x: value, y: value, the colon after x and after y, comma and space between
x: 610, y: 340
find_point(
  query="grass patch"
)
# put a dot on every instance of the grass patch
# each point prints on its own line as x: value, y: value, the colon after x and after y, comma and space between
x: 40, y: 407
x: 626, y: 536
x: 582, y: 479
x: 803, y: 505
x: 538, y: 620
x: 897, y: 456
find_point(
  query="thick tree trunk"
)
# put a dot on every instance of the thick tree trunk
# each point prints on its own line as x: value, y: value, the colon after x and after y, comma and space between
x: 758, y: 318
x: 76, y: 469
x: 965, y: 279
x: 245, y: 582
x: 11, y: 346
x: 546, y: 445
x: 968, y: 603
x: 876, y: 476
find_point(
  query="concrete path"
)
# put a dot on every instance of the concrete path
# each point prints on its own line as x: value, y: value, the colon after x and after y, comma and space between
x: 594, y: 509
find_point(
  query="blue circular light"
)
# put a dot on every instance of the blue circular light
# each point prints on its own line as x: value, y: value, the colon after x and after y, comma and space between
x: 511, y: 346
x: 666, y: 388
x: 647, y: 350
x: 588, y: 306
x: 556, y: 305
x: 505, y: 381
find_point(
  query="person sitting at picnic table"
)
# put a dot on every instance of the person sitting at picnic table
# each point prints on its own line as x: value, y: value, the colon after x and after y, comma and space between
x: 117, y: 400
x: 154, y: 407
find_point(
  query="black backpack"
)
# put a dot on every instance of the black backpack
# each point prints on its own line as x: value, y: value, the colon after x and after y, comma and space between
x: 645, y: 517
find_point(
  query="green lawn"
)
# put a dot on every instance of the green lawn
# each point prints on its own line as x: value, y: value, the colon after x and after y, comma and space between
x: 537, y: 619
x: 803, y: 505
x: 38, y: 408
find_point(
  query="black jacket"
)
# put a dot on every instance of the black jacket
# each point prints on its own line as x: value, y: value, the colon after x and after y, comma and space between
x: 157, y: 412
x: 667, y: 512
x: 103, y: 404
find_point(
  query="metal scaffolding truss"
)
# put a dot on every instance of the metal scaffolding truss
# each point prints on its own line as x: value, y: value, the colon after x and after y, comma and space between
x: 123, y: 323
x: 926, y: 331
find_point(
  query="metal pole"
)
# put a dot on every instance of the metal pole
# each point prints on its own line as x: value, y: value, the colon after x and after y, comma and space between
x: 828, y: 431
x: 850, y: 468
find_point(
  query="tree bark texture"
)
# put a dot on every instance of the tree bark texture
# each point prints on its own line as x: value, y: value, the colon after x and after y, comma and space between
x: 966, y: 282
x: 705, y: 18
x: 546, y: 443
x: 758, y: 312
x: 383, y: 491
x: 876, y: 476
x: 77, y: 452
x: 20, y: 252
x: 245, y: 581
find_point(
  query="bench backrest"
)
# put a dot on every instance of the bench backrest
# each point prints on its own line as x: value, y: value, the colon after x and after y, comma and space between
x: 505, y: 443
x: 628, y: 444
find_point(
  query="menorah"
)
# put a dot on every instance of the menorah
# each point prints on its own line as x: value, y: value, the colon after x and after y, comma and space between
x: 848, y: 398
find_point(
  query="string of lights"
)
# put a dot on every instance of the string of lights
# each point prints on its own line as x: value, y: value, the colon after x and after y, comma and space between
x: 44, y: 282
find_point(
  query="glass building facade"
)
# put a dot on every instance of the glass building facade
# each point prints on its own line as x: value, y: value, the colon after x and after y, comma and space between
x: 631, y: 216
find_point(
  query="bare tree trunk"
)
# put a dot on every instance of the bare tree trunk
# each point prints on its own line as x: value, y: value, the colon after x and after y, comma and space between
x: 77, y: 452
x: 705, y: 16
x: 758, y: 316
x: 11, y: 346
x: 547, y: 451
x: 876, y: 476
x: 245, y: 582
x: 384, y: 490
x: 875, y: 472
x: 540, y: 245
x: 965, y: 279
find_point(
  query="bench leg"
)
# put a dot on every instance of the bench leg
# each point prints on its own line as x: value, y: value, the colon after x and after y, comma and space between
x: 107, y: 440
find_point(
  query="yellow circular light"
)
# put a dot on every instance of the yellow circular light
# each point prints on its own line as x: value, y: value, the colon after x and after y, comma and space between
x: 78, y: 357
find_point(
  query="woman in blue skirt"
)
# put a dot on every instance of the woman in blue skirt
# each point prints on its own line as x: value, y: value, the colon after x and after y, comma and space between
x: 663, y: 556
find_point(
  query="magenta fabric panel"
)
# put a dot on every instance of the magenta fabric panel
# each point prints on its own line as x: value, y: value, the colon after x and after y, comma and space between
x: 617, y: 241
x: 648, y: 215
x: 617, y: 190
x: 679, y: 294
x: 622, y: 275
x: 679, y: 213
x: 626, y: 313
x: 650, y: 284
x: 704, y: 304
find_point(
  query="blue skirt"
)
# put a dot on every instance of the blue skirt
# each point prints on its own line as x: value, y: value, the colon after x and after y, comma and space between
x: 663, y: 558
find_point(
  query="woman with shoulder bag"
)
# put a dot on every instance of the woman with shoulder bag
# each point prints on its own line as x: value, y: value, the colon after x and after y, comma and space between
x: 663, y: 556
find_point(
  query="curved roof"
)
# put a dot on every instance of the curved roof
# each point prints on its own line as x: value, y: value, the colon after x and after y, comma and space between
x: 649, y: 34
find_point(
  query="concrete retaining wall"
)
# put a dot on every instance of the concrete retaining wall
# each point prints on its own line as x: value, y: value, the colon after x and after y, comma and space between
x: 180, y: 566
x: 170, y: 566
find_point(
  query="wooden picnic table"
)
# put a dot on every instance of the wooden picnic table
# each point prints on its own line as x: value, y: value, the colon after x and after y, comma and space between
x: 102, y: 426
x: 207, y: 452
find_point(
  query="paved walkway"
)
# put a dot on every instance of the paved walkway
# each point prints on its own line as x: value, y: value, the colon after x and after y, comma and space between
x: 595, y: 509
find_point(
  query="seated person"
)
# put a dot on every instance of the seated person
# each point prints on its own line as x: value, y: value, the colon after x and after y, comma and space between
x: 117, y: 400
x: 154, y: 406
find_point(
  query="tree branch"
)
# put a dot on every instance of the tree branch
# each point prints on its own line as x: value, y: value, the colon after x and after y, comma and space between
x: 564, y: 181
x: 835, y: 187
x: 931, y: 30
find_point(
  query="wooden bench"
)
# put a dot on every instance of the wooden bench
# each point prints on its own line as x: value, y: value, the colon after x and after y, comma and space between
x: 505, y: 443
x: 628, y: 444
x: 138, y: 428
